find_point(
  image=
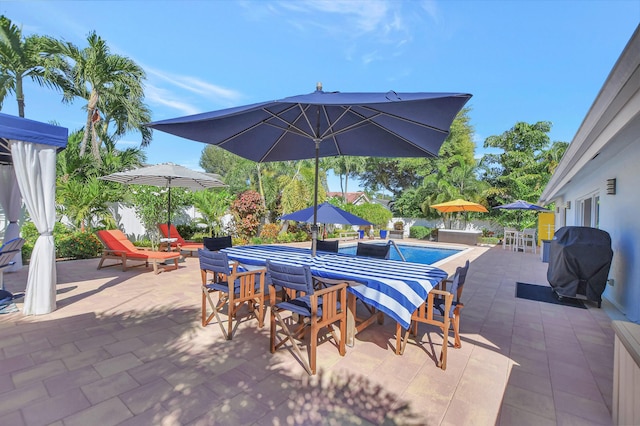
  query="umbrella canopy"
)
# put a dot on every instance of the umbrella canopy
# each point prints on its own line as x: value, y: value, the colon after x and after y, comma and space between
x: 322, y: 124
x: 521, y: 205
x: 167, y: 175
x: 327, y: 213
x: 459, y: 205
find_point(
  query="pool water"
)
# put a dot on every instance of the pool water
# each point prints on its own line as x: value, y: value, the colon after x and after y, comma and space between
x: 413, y: 253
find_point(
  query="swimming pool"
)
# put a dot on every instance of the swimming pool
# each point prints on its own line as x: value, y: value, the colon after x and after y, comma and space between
x: 412, y: 253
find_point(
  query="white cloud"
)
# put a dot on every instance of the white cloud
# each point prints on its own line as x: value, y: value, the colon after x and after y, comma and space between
x: 197, y: 86
x: 169, y: 99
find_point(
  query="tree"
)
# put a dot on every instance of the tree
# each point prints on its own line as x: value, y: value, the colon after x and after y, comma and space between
x: 344, y: 167
x: 235, y: 170
x: 80, y: 195
x: 21, y: 57
x: 112, y: 86
x: 522, y: 169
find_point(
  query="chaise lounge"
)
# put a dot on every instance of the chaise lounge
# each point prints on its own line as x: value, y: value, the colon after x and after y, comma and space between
x: 118, y: 247
x: 180, y: 244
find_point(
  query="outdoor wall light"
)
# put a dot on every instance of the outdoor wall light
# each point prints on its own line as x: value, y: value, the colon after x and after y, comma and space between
x: 568, y: 204
x: 611, y: 186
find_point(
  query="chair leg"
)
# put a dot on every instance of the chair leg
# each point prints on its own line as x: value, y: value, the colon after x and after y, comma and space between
x: 206, y: 320
x: 313, y: 345
x: 455, y: 321
x: 290, y: 337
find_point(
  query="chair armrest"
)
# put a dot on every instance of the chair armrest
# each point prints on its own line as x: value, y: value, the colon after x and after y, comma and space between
x: 442, y: 285
x: 330, y: 288
x: 240, y: 275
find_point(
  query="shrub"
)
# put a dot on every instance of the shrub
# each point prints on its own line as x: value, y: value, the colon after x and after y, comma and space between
x: 398, y: 226
x: 142, y: 243
x: 69, y: 244
x: 187, y: 230
x: 270, y: 231
x: 79, y: 245
x: 419, y: 232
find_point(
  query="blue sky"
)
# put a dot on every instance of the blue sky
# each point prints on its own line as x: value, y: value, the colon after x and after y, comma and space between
x: 522, y: 60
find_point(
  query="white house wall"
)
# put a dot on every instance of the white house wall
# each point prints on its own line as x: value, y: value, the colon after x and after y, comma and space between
x: 619, y: 216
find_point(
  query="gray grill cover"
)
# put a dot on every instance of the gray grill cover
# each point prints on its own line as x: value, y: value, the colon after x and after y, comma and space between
x: 579, y: 262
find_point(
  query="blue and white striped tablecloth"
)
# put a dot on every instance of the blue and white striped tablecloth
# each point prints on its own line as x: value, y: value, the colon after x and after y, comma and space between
x: 394, y: 287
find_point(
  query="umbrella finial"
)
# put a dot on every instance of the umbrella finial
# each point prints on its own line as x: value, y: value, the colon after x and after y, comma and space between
x: 319, y: 86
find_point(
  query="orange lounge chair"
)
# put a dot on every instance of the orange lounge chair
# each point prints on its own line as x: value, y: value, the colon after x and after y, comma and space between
x: 117, y: 246
x: 180, y: 244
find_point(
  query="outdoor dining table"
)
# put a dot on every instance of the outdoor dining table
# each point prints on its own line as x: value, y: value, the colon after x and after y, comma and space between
x: 393, y: 287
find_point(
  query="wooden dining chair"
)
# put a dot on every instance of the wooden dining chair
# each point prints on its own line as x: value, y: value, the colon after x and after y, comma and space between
x: 314, y: 309
x: 330, y: 246
x: 429, y: 313
x: 234, y: 290
x: 217, y: 243
x: 373, y: 250
x: 456, y: 285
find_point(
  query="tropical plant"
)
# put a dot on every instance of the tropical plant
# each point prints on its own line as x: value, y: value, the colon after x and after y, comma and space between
x: 112, y: 86
x: 80, y: 195
x: 33, y: 57
x: 248, y: 211
x: 212, y: 205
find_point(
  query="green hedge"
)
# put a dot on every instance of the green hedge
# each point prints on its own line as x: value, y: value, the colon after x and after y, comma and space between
x: 419, y: 232
x: 69, y: 244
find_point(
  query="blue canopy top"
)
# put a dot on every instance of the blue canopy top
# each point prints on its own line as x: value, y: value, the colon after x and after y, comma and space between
x: 26, y: 130
x: 327, y: 213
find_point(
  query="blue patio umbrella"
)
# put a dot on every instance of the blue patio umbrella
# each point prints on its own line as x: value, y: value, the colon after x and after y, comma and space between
x: 327, y: 213
x: 324, y: 124
x: 521, y: 205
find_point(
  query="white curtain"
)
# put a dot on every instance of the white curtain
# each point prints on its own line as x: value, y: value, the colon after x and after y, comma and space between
x: 35, y: 167
x: 11, y: 205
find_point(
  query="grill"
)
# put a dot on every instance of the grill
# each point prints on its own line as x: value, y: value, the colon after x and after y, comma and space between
x: 579, y: 262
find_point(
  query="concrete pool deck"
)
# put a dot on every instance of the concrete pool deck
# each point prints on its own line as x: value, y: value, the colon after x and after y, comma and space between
x: 127, y: 348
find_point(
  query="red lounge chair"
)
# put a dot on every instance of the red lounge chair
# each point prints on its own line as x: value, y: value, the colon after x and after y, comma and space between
x: 180, y: 244
x: 117, y: 246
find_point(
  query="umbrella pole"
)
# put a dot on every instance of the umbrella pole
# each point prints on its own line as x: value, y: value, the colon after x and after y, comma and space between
x: 169, y: 220
x: 314, y: 227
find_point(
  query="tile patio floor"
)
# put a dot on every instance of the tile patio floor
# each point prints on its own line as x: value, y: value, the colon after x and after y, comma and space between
x: 127, y: 348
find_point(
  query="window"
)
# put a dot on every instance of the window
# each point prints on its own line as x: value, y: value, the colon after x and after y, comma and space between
x: 589, y: 211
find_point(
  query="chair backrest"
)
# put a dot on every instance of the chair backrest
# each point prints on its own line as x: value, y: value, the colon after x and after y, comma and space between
x: 297, y: 278
x: 12, y: 245
x: 331, y: 246
x: 214, y: 261
x: 373, y: 250
x: 9, y: 250
x: 217, y: 243
x: 164, y: 229
x: 114, y: 239
x: 458, y: 280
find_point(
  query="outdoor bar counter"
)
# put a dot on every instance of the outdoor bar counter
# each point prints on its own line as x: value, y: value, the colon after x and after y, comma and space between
x: 458, y: 236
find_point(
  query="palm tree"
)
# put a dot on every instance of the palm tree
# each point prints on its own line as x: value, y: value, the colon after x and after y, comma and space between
x: 112, y: 86
x: 34, y: 57
x: 80, y: 195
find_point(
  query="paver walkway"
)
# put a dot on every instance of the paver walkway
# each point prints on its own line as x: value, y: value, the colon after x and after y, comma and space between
x: 127, y: 348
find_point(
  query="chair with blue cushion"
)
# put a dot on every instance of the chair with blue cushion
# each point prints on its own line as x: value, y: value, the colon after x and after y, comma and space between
x: 217, y: 243
x: 373, y: 250
x: 234, y: 289
x: 311, y: 310
x: 440, y: 310
x: 330, y: 246
x: 8, y: 252
x: 457, y: 285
